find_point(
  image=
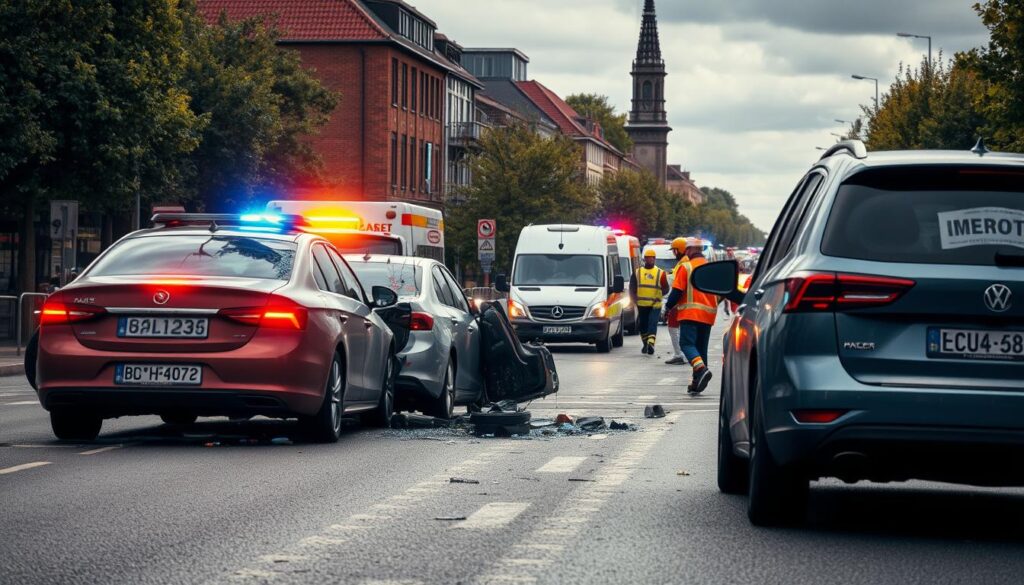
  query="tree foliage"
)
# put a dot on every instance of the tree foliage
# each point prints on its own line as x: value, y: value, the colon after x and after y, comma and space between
x: 720, y: 221
x: 1001, y: 66
x: 519, y: 178
x: 598, y: 108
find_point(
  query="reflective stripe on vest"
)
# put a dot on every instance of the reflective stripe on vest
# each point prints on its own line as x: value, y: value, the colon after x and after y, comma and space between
x: 699, y: 306
x: 648, y: 287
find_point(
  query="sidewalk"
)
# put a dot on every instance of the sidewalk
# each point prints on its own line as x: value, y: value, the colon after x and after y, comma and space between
x: 11, y: 364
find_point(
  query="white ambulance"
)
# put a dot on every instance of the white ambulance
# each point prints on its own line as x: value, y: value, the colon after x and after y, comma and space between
x: 373, y: 227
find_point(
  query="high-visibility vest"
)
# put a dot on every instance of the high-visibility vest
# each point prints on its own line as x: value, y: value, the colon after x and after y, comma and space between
x: 698, y: 306
x: 648, y: 287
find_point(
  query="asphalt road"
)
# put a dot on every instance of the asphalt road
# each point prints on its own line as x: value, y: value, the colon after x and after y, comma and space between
x: 149, y: 503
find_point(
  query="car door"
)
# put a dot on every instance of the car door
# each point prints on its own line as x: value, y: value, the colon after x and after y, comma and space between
x: 466, y: 340
x: 352, y: 315
x: 377, y: 338
x: 754, y: 314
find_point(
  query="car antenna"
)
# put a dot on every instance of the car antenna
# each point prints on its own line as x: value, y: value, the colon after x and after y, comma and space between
x: 213, y: 226
x: 561, y: 236
x: 980, y: 149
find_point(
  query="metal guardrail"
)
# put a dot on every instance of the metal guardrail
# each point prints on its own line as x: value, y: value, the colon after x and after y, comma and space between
x: 21, y: 315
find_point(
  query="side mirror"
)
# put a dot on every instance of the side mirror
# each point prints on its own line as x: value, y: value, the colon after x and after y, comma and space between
x: 501, y: 283
x: 718, y: 278
x: 618, y: 284
x: 384, y: 297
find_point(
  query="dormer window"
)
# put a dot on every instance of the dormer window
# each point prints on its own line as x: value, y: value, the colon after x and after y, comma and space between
x: 416, y: 30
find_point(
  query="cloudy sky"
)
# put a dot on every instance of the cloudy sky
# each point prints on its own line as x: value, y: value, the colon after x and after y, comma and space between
x: 754, y: 85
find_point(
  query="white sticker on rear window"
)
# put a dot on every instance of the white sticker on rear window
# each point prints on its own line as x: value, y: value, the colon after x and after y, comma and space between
x: 982, y: 226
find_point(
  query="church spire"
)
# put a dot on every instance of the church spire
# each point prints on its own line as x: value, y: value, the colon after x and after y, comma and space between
x: 648, y: 50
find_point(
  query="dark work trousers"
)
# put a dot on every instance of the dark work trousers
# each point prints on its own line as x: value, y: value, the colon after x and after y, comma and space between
x: 647, y: 322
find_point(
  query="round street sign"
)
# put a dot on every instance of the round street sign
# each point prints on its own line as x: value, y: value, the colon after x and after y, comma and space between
x: 485, y: 228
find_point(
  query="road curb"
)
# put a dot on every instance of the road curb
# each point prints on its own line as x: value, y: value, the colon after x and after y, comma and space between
x: 12, y: 370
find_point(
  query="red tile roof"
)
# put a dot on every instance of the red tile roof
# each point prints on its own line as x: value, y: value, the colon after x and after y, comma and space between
x: 558, y: 110
x: 303, y: 20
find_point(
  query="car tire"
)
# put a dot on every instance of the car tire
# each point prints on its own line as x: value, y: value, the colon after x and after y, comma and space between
x: 325, y: 425
x: 733, y: 471
x: 605, y: 346
x: 178, y: 418
x: 381, y: 416
x: 618, y: 340
x: 777, y: 494
x: 444, y: 405
x: 31, y: 356
x: 74, y: 426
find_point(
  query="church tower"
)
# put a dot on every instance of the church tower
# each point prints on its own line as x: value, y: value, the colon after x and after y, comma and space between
x: 648, y: 122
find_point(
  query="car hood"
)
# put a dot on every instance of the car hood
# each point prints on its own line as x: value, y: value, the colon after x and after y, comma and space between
x: 565, y: 296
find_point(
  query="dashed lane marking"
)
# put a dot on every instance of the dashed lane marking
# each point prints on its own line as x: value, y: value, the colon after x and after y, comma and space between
x: 23, y: 467
x: 646, y: 397
x: 562, y: 465
x: 101, y: 450
x: 494, y: 515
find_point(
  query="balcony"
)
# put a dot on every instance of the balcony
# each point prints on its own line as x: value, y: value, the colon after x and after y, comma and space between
x: 465, y: 133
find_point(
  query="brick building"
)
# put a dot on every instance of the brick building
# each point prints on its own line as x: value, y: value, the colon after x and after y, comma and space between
x: 386, y: 139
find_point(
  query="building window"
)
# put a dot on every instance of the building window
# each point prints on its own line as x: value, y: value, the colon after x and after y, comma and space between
x: 414, y: 87
x: 394, y: 82
x: 648, y: 91
x: 423, y: 93
x: 394, y: 160
x: 405, y: 85
x: 412, y: 165
x: 427, y: 165
x: 405, y: 141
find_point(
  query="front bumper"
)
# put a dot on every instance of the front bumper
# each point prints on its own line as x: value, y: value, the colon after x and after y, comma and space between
x: 583, y: 331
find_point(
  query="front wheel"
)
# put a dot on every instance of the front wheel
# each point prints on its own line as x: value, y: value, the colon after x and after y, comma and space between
x: 617, y: 339
x: 325, y: 425
x: 777, y: 494
x: 72, y: 426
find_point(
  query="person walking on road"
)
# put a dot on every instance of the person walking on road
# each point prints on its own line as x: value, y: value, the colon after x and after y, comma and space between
x: 671, y: 316
x: 648, y: 288
x: 697, y: 312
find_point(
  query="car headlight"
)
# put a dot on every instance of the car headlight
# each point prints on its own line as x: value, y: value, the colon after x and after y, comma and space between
x: 515, y: 310
x: 599, y: 311
x: 626, y: 302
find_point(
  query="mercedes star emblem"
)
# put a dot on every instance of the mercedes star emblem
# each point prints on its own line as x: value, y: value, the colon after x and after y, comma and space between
x: 997, y: 298
x: 557, y: 312
x: 161, y: 297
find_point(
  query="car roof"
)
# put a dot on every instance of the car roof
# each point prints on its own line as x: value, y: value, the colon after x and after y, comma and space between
x: 383, y: 258
x: 875, y: 159
x: 284, y: 236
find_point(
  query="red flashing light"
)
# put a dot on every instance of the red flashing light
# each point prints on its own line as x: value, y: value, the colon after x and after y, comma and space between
x: 421, y: 322
x: 827, y: 291
x: 818, y: 417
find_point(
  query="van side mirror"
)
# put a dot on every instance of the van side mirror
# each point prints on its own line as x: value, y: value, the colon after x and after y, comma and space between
x: 618, y: 284
x: 501, y: 283
x: 718, y: 278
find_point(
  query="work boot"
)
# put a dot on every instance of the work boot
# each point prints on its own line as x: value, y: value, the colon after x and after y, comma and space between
x: 650, y: 347
x: 701, y: 379
x: 676, y: 361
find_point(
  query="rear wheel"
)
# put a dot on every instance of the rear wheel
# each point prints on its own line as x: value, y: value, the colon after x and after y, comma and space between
x: 777, y: 494
x: 732, y: 470
x: 31, y: 355
x: 381, y: 416
x: 176, y: 418
x: 74, y: 426
x: 325, y: 425
x: 444, y: 405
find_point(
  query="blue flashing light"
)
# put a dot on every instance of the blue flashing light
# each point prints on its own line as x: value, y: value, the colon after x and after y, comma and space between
x: 261, y: 229
x: 251, y: 217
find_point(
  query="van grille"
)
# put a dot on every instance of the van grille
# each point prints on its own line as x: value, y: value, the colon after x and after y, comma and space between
x: 549, y: 312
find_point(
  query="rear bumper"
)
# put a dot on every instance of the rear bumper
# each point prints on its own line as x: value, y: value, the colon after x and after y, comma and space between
x: 585, y: 331
x: 128, y: 402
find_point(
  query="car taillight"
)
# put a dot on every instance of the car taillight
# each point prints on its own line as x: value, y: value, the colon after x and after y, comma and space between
x: 826, y: 291
x: 279, y: 313
x: 56, y: 313
x: 421, y: 322
x: 819, y: 417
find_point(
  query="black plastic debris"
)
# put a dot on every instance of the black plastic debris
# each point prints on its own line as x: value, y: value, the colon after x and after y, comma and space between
x: 621, y: 426
x: 540, y: 423
x: 462, y: 480
x: 500, y: 423
x: 410, y: 420
x: 654, y: 411
x: 449, y: 518
x: 591, y: 423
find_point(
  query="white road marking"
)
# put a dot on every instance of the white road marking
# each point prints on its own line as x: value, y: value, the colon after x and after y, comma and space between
x: 562, y: 465
x: 23, y: 467
x: 598, y: 437
x: 670, y: 381
x: 646, y: 397
x: 494, y: 515
x: 21, y: 403
x: 101, y: 450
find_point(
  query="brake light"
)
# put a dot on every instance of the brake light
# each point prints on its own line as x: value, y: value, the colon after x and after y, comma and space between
x: 56, y: 313
x: 827, y: 291
x: 421, y: 322
x: 819, y: 417
x: 280, y: 313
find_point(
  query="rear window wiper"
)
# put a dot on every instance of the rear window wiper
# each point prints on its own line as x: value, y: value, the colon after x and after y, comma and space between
x: 1009, y: 260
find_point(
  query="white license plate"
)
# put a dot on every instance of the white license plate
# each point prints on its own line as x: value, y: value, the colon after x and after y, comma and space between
x: 158, y: 375
x: 557, y: 330
x: 975, y: 344
x: 164, y: 327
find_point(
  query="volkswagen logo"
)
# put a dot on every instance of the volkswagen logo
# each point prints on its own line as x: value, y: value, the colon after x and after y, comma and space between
x: 161, y: 297
x: 997, y: 298
x: 557, y: 312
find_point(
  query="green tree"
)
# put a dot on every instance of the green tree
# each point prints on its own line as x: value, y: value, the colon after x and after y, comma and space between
x: 519, y: 178
x: 260, y: 104
x: 1000, y: 65
x: 718, y: 219
x: 633, y: 198
x: 930, y: 107
x: 597, y: 108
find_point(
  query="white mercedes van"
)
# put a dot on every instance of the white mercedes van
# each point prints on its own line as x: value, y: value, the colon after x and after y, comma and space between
x: 566, y: 286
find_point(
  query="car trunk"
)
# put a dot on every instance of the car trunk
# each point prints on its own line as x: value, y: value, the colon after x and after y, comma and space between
x: 157, y: 316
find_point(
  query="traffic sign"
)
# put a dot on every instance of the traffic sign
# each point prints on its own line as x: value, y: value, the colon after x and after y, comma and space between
x: 486, y: 231
x: 486, y: 228
x: 485, y: 245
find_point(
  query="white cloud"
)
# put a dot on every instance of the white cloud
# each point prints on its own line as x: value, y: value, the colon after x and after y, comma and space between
x: 753, y: 86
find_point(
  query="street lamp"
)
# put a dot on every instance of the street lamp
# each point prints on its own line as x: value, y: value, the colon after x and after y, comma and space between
x: 913, y: 36
x: 865, y: 78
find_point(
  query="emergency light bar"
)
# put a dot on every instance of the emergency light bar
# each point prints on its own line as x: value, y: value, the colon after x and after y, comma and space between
x: 261, y: 221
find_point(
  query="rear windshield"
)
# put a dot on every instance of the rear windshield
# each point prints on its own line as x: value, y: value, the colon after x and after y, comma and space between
x: 558, y: 270
x: 365, y: 244
x: 402, y: 278
x: 237, y: 256
x: 929, y: 215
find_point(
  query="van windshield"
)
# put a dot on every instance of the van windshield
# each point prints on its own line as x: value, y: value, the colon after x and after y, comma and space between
x: 558, y: 270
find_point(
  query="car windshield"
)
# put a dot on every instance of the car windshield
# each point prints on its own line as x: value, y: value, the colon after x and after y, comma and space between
x: 558, y: 270
x: 929, y: 215
x: 199, y: 255
x: 365, y: 244
x: 401, y: 277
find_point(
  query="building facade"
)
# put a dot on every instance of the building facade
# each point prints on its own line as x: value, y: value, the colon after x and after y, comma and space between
x: 648, y: 121
x: 679, y: 182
